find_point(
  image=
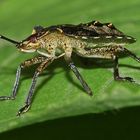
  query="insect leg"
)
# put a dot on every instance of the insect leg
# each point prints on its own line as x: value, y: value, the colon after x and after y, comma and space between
x: 116, y: 72
x: 39, y: 70
x: 131, y: 54
x: 110, y: 53
x: 79, y: 76
x: 25, y: 64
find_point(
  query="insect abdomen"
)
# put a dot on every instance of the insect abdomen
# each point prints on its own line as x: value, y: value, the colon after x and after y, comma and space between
x: 103, y: 41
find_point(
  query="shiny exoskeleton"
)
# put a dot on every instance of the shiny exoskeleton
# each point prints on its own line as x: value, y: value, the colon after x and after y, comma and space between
x: 93, y: 39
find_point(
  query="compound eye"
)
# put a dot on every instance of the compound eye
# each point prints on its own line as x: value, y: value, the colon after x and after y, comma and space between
x: 33, y: 39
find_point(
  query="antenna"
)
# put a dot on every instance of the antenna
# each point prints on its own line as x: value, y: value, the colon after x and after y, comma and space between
x: 10, y: 40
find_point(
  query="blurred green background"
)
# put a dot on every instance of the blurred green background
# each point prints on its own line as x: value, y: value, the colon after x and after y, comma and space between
x: 17, y: 18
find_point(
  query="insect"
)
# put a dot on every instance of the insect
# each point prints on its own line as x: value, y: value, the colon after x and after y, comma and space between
x: 90, y: 40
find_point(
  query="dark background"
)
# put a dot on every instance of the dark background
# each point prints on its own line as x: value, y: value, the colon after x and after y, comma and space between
x: 122, y: 124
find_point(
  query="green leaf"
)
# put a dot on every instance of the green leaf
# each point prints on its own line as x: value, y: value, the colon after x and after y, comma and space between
x: 59, y: 93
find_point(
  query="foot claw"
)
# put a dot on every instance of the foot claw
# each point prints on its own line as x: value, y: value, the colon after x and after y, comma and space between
x: 90, y: 93
x: 2, y: 98
x: 129, y: 79
x: 23, y: 110
x: 124, y: 79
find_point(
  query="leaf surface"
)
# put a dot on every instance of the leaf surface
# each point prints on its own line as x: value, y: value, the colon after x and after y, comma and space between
x: 58, y: 93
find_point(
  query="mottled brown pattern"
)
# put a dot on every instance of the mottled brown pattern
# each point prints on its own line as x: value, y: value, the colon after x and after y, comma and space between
x: 93, y: 39
x: 35, y: 60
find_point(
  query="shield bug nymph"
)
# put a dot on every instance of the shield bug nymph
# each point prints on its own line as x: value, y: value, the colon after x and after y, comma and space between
x: 91, y: 40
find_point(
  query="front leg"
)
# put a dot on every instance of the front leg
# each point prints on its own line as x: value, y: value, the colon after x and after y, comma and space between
x: 39, y: 70
x: 23, y: 65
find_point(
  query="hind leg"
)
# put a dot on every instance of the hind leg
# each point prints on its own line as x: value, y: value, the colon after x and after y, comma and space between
x: 110, y: 53
x: 116, y: 72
